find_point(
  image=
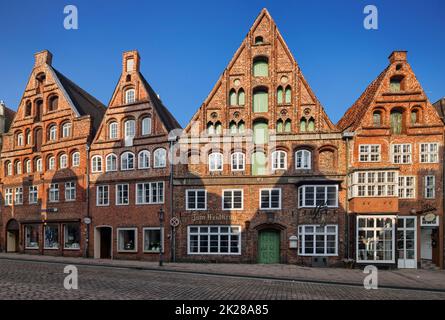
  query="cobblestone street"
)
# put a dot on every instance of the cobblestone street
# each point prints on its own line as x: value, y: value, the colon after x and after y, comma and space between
x: 44, y: 281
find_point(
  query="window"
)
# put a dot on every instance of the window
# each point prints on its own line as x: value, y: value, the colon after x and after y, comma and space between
x: 241, y: 97
x: 414, y: 116
x: 280, y: 95
x: 54, y: 192
x: 129, y: 129
x: 210, y: 128
x: 218, y: 128
x: 260, y: 132
x: 214, y: 240
x: 28, y: 166
x: 150, y: 193
x: 8, y: 197
x: 314, y: 196
x: 153, y: 237
x: 146, y: 126
x: 111, y: 163
x: 260, y: 100
x: 260, y: 67
x: 369, y: 153
x: 144, y: 159
x: 113, y: 130
x: 127, y: 161
x: 130, y: 65
x: 429, y: 152
x: 303, y: 125
x: 318, y: 240
x: 63, y: 161
x: 20, y: 139
x: 196, y: 200
x: 280, y: 126
x: 216, y: 161
x: 396, y: 118
x: 28, y: 109
x: 53, y: 103
x: 233, y: 128
x: 70, y: 191
x: 39, y: 167
x: 232, y: 200
x: 259, y: 40
x: 33, y: 195
x: 238, y: 161
x: 303, y: 159
x: 407, y: 187
x: 96, y: 164
x: 401, y: 153
x: 288, y: 95
x: 75, y: 159
x: 18, y: 167
x: 373, y: 184
x: 52, y: 136
x: 18, y: 199
x: 122, y: 194
x: 279, y: 160
x: 9, y: 168
x: 66, y: 130
x: 270, y: 199
x: 259, y: 163
x: 311, y: 125
x: 430, y: 187
x: 71, y: 236
x: 232, y: 97
x: 51, y: 163
x: 127, y: 239
x: 28, y: 137
x: 31, y: 236
x: 130, y: 96
x: 395, y: 84
x: 160, y: 158
x: 51, y: 236
x: 375, y: 239
x: 288, y: 125
x: 102, y: 196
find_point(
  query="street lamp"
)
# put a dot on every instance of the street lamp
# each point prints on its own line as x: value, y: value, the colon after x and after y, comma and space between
x: 161, y: 224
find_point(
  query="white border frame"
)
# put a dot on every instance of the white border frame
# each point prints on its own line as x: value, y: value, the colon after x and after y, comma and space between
x: 216, y: 253
x: 97, y: 195
x: 116, y: 196
x: 315, y: 192
x: 187, y: 199
x: 135, y: 229
x: 143, y: 239
x: 325, y: 234
x: 232, y: 209
x: 270, y: 189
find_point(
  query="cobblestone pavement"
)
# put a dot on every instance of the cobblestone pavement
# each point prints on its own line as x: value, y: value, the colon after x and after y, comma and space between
x: 44, y: 281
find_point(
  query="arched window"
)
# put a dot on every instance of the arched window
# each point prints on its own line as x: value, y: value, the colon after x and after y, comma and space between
x: 233, y: 127
x: 51, y: 163
x: 303, y: 159
x: 311, y: 125
x: 96, y: 164
x: 232, y: 97
x: 63, y: 161
x: 238, y: 161
x: 75, y: 159
x: 146, y: 126
x: 280, y: 95
x: 53, y: 103
x: 260, y: 67
x: 377, y: 118
x: 215, y: 161
x: 130, y: 96
x: 28, y: 109
x: 52, y: 133
x: 415, y: 114
x: 288, y: 95
x: 111, y: 162
x: 218, y: 127
x: 18, y: 167
x: 144, y: 159
x: 20, y: 139
x: 130, y: 128
x: 259, y: 40
x: 38, y: 109
x: 279, y: 160
x: 28, y: 137
x: 241, y: 97
x: 396, y: 84
x: 280, y: 126
x: 160, y: 158
x: 8, y: 166
x: 260, y: 132
x: 303, y: 125
x: 288, y: 126
x: 260, y: 100
x: 127, y: 161
x: 241, y: 127
x: 396, y: 121
x: 28, y: 166
x: 259, y: 163
x: 66, y: 130
x: 113, y: 130
x: 38, y: 164
x: 210, y: 128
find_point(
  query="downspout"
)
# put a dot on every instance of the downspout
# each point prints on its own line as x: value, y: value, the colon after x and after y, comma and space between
x: 87, y: 194
x: 347, y: 136
x: 172, y: 139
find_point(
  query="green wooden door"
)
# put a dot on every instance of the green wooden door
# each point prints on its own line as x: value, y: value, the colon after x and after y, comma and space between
x: 269, y: 247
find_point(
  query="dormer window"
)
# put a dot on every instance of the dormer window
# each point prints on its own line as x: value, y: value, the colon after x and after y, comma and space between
x: 130, y: 96
x: 396, y: 84
x: 259, y: 40
x: 130, y: 65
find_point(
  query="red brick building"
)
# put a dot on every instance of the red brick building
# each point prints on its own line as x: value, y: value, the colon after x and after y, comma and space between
x: 395, y: 175
x: 262, y: 165
x: 130, y: 171
x: 44, y: 164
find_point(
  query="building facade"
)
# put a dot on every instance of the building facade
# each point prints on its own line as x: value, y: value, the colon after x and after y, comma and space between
x: 130, y: 171
x: 395, y: 174
x: 44, y: 165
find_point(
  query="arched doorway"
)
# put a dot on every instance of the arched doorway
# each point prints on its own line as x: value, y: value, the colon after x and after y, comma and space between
x: 269, y: 246
x: 103, y: 240
x: 12, y: 236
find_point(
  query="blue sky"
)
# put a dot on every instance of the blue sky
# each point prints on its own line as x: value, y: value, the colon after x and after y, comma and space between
x: 185, y: 45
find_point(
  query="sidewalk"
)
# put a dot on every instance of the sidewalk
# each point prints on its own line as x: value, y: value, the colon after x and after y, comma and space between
x: 403, y: 278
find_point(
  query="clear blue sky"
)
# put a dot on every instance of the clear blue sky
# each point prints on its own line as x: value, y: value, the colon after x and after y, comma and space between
x: 185, y: 45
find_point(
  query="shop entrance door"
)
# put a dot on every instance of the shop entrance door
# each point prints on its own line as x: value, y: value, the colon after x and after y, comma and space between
x: 426, y: 249
x: 406, y: 242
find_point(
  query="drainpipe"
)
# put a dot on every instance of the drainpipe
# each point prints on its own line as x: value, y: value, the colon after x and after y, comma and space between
x: 87, y: 194
x: 347, y: 136
x: 172, y: 139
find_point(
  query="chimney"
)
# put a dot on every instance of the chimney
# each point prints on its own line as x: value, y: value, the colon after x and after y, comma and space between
x: 398, y: 56
x: 130, y: 61
x: 43, y: 57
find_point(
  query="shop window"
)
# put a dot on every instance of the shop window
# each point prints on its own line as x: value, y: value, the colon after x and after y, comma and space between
x: 317, y: 240
x: 375, y: 239
x: 127, y: 239
x: 51, y: 236
x: 32, y: 237
x: 71, y: 236
x: 153, y: 237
